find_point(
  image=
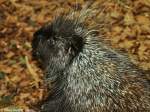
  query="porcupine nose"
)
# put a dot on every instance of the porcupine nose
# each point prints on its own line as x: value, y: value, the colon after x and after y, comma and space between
x: 37, y: 37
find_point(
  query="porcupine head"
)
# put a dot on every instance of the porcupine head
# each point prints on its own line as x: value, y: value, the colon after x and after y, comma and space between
x: 58, y: 43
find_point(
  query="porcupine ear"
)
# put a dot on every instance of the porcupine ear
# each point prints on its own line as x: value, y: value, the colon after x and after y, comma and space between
x: 76, y: 45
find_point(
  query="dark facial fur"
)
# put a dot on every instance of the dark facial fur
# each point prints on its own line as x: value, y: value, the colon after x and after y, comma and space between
x: 84, y: 74
x: 57, y: 44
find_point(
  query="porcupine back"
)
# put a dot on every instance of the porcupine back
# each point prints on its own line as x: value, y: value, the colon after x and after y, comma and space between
x: 101, y: 80
x: 96, y: 78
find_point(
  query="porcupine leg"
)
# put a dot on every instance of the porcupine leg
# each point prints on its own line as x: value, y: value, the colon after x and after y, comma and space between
x: 57, y: 100
x: 53, y: 104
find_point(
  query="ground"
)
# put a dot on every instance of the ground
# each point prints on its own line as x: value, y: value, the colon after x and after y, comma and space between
x: 126, y: 27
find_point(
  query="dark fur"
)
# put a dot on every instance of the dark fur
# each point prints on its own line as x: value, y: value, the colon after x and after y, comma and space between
x: 84, y: 75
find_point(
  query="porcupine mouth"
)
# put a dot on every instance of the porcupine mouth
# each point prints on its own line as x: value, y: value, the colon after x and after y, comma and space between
x: 36, y: 56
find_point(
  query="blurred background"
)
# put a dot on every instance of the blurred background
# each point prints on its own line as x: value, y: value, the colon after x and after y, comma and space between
x: 125, y: 26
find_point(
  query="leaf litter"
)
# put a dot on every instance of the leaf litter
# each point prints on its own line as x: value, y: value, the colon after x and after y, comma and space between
x: 21, y: 79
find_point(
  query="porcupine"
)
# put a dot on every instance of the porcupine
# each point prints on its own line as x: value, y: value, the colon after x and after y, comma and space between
x: 84, y: 74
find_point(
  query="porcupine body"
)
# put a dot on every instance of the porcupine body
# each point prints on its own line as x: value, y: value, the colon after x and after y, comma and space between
x: 84, y: 74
